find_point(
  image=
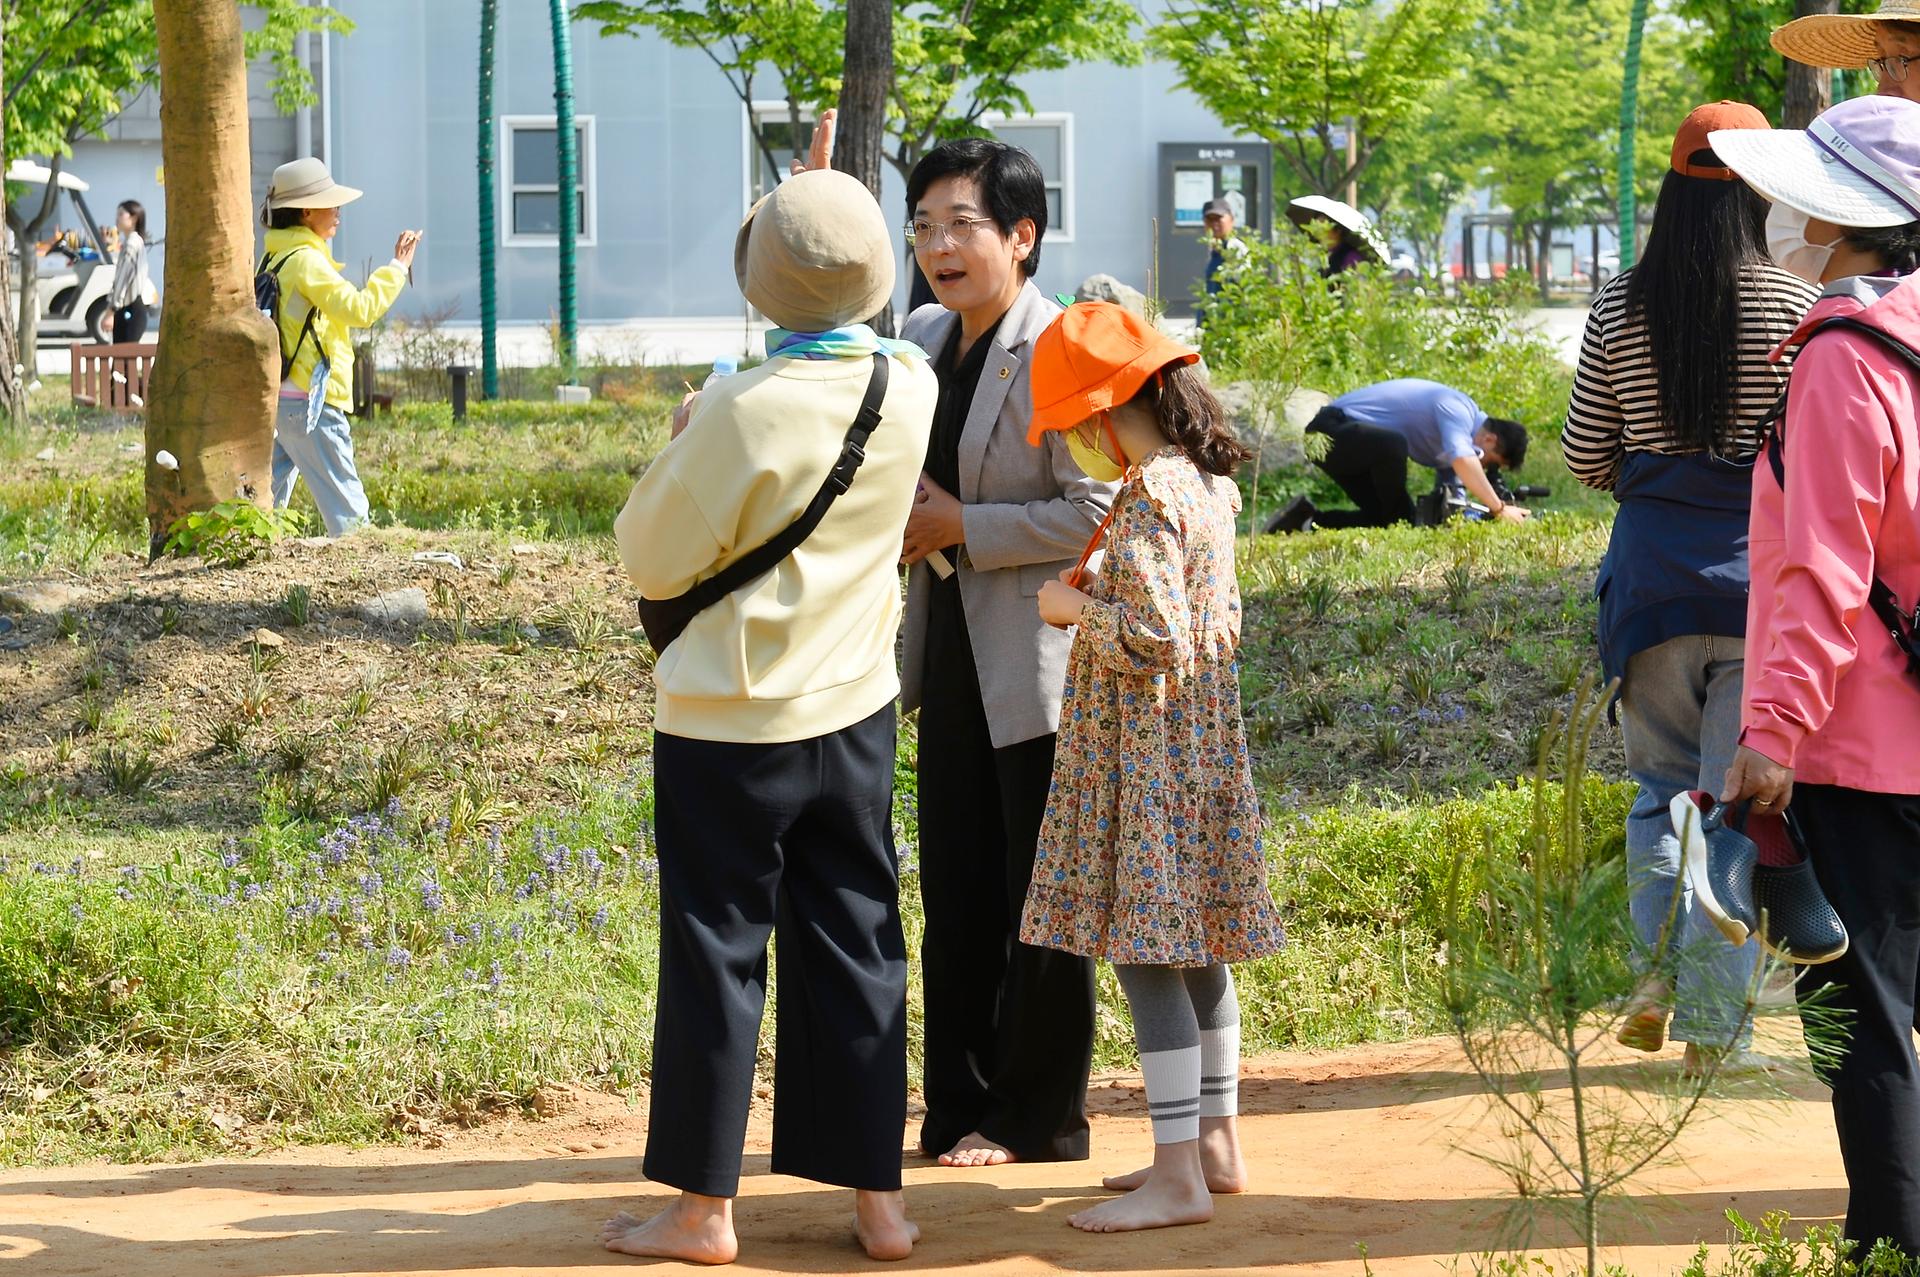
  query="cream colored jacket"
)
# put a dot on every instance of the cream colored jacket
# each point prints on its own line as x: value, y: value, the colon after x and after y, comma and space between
x: 807, y: 649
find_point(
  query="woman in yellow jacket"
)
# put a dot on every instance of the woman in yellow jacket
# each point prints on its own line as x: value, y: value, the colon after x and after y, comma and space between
x: 318, y: 309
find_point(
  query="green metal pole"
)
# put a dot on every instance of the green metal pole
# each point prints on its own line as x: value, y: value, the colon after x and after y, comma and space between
x: 1629, y: 129
x: 489, y: 336
x: 563, y: 128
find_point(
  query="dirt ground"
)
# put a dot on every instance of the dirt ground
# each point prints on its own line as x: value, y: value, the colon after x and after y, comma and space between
x: 1368, y: 1147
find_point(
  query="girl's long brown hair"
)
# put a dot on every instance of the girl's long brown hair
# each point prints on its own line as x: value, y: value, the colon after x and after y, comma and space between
x: 1193, y: 420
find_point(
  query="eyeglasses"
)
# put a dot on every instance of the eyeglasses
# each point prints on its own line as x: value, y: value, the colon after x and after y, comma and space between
x: 958, y: 231
x: 1892, y: 69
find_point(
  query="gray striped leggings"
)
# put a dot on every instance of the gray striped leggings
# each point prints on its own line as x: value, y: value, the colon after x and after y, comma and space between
x: 1186, y: 1021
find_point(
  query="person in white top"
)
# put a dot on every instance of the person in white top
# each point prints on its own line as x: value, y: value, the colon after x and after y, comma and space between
x: 131, y: 286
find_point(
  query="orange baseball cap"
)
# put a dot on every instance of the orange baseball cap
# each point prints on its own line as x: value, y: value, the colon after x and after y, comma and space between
x: 1704, y: 120
x: 1095, y: 356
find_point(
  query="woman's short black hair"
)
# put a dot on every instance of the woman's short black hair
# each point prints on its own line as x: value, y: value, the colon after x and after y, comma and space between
x: 1513, y: 441
x: 1010, y: 181
x: 136, y: 210
x: 284, y: 219
x: 1898, y: 247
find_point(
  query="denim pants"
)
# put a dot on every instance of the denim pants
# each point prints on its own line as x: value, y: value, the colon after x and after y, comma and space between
x: 1680, y: 713
x: 324, y: 458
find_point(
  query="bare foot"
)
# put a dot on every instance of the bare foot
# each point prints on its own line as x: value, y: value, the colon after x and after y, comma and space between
x: 1163, y: 1201
x: 1219, y: 1160
x: 693, y: 1229
x: 976, y: 1150
x: 880, y: 1223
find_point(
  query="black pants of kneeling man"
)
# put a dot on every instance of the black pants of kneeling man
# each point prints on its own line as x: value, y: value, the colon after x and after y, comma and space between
x: 793, y: 842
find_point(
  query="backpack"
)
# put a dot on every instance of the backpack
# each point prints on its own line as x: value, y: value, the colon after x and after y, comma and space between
x: 1903, y: 627
x: 266, y: 295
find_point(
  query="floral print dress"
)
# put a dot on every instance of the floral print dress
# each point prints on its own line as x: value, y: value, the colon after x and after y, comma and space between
x: 1150, y: 852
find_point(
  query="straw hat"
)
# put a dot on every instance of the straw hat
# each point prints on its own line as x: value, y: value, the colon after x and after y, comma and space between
x: 815, y: 254
x: 307, y: 184
x: 1857, y: 164
x: 1840, y: 39
x: 1092, y: 358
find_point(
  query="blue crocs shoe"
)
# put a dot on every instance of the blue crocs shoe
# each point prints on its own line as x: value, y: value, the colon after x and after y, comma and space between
x: 1797, y: 923
x: 1719, y: 862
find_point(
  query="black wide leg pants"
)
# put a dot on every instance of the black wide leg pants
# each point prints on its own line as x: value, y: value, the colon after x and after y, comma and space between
x: 1008, y: 1026
x: 1370, y: 465
x: 1865, y: 849
x: 793, y: 842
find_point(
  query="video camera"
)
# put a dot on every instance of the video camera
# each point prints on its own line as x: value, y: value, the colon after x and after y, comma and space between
x: 1449, y: 499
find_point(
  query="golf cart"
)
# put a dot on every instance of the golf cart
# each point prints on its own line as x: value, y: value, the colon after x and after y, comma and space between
x: 73, y: 290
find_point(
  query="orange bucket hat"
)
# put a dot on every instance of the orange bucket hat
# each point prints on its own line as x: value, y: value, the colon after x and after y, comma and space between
x: 1095, y: 356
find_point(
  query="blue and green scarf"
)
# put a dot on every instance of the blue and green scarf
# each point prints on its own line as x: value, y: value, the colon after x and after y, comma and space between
x: 853, y: 341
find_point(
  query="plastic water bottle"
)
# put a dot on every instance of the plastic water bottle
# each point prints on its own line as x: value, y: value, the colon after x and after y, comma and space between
x: 725, y: 366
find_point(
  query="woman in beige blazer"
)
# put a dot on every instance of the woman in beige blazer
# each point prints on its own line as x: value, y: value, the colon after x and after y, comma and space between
x: 1009, y: 1027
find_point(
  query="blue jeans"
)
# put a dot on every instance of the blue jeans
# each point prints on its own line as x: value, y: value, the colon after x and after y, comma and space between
x: 1680, y: 713
x: 324, y: 458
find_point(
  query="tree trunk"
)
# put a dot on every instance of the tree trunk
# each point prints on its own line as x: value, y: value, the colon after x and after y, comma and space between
x: 1809, y: 90
x: 210, y: 396
x: 858, y: 143
x: 25, y: 231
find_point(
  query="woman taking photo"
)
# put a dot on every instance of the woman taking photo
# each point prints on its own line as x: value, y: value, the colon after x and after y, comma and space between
x: 1674, y: 378
x: 318, y: 311
x: 131, y: 284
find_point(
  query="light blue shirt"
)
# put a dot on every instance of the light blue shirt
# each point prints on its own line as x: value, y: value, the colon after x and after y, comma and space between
x: 1438, y: 421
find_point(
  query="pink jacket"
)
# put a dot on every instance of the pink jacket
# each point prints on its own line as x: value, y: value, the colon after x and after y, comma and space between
x: 1827, y: 690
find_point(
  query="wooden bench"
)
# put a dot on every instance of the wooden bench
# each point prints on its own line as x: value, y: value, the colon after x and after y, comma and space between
x: 112, y: 377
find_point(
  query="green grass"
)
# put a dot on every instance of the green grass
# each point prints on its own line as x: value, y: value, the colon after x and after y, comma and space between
x: 190, y: 964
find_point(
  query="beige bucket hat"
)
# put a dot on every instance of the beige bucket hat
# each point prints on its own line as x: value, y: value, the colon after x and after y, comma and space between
x: 307, y: 184
x: 816, y: 253
x: 1842, y: 40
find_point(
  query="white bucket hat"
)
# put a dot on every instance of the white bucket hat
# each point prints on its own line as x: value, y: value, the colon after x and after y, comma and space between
x: 1308, y: 209
x: 307, y: 184
x: 1857, y: 164
x: 1840, y: 39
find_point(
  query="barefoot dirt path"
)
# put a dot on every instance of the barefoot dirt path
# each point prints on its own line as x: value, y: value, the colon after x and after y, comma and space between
x: 1371, y: 1146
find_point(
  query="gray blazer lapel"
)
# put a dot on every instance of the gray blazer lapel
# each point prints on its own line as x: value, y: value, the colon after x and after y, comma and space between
x: 996, y: 379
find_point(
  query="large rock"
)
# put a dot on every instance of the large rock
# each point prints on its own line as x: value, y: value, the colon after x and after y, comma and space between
x: 40, y: 598
x: 1283, y: 440
x: 1105, y: 288
x: 397, y: 607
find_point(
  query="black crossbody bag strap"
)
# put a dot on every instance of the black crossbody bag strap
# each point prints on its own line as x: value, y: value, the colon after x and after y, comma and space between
x: 306, y: 328
x: 1904, y: 628
x: 665, y: 619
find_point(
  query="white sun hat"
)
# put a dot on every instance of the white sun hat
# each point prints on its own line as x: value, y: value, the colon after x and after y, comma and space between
x: 305, y: 183
x: 1840, y: 39
x: 1319, y: 208
x: 1857, y: 164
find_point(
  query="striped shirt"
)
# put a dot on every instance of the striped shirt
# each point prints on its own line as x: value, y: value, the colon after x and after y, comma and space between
x: 1616, y: 396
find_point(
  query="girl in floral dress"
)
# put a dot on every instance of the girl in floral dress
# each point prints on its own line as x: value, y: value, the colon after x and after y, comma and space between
x: 1150, y: 855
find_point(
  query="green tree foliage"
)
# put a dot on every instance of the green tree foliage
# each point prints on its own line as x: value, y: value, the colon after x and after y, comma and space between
x: 1545, y: 78
x: 799, y: 41
x: 962, y: 60
x: 957, y: 61
x: 72, y: 63
x: 1728, y: 47
x: 1293, y: 74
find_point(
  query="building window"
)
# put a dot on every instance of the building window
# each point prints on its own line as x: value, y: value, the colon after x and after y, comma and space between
x: 532, y: 179
x: 775, y: 124
x: 1049, y: 137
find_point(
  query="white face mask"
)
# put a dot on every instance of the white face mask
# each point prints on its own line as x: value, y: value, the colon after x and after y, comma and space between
x: 1788, y: 245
